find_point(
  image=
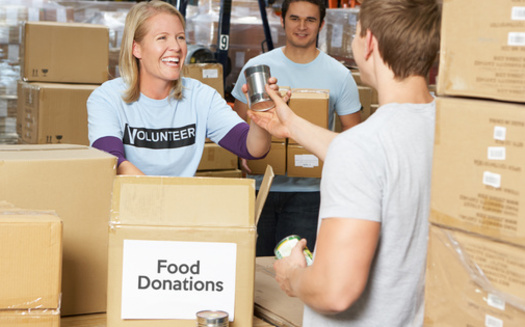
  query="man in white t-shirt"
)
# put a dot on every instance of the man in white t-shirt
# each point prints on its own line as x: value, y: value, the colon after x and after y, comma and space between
x: 369, y: 262
x: 293, y: 203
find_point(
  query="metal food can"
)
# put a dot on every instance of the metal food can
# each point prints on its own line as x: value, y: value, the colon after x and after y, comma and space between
x: 256, y: 79
x: 212, y: 318
x: 285, y: 246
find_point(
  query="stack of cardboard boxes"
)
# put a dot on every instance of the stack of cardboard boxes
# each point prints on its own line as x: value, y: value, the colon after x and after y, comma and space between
x: 62, y: 63
x: 286, y: 156
x: 76, y: 182
x: 476, y: 253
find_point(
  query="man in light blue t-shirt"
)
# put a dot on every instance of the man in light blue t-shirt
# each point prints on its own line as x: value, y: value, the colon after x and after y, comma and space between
x: 292, y: 206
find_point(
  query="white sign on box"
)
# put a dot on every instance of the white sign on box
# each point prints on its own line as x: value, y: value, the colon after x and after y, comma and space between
x: 174, y: 280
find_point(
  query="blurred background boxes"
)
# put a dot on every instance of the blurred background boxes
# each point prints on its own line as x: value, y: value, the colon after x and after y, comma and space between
x: 53, y: 112
x: 64, y: 52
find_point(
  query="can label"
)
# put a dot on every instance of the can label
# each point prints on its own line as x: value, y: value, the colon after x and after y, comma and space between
x: 285, y: 246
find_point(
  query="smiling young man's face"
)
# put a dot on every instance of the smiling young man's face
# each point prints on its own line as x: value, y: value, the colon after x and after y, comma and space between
x: 301, y: 24
x: 162, y: 50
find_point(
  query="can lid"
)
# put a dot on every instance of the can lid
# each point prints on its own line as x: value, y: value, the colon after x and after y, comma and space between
x: 212, y: 317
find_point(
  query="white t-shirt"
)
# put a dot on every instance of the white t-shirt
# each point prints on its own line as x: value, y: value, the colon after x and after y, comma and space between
x: 324, y: 72
x: 161, y: 137
x: 380, y: 170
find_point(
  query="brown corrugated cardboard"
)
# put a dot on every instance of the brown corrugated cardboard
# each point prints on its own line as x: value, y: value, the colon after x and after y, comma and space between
x: 275, y: 158
x: 302, y: 163
x: 192, y: 232
x: 312, y: 105
x: 233, y: 173
x: 209, y: 74
x: 473, y: 281
x: 478, y: 172
x: 30, y: 318
x: 482, y: 55
x: 30, y: 260
x: 271, y: 302
x: 53, y: 113
x: 214, y: 157
x: 64, y: 52
x: 76, y: 182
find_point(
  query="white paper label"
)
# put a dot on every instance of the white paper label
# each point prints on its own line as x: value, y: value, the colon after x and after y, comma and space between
x: 492, y: 179
x: 518, y: 13
x: 174, y: 280
x: 496, y: 153
x: 306, y: 161
x: 495, y: 301
x: 493, y: 322
x: 500, y: 133
x: 210, y: 73
x: 516, y: 39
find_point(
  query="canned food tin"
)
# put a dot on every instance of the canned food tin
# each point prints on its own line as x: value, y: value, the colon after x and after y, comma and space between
x: 212, y: 318
x: 285, y: 246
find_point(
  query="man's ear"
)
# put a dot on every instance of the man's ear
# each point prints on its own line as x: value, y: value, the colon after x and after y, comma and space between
x: 136, y: 50
x: 282, y: 21
x: 370, y: 44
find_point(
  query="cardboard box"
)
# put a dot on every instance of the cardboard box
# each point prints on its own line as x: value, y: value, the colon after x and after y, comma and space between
x: 302, y: 163
x: 312, y: 105
x: 232, y: 173
x: 53, y: 113
x: 275, y: 158
x: 482, y: 55
x: 209, y: 74
x: 76, y: 182
x: 64, y: 52
x: 215, y: 157
x: 180, y: 245
x: 271, y: 302
x: 30, y: 318
x: 30, y: 260
x: 478, y: 170
x: 473, y: 281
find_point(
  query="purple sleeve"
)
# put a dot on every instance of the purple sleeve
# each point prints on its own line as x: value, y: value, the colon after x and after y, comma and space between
x: 235, y: 141
x: 112, y: 145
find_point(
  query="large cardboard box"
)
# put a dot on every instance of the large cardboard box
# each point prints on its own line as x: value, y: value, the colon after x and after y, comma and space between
x: 478, y: 171
x: 275, y: 158
x: 482, y: 53
x: 473, y: 281
x: 209, y: 74
x: 302, y: 163
x: 215, y: 157
x: 30, y: 260
x: 76, y: 182
x: 53, y: 113
x: 64, y: 52
x: 181, y: 245
x: 312, y: 105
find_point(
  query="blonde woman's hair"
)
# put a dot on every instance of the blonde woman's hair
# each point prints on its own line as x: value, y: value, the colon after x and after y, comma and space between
x: 135, y: 30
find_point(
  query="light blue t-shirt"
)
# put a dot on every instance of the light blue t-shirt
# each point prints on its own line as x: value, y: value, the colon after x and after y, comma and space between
x: 161, y: 137
x: 324, y: 72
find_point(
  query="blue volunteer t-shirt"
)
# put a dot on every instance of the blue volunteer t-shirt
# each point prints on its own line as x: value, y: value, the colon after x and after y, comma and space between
x: 161, y: 137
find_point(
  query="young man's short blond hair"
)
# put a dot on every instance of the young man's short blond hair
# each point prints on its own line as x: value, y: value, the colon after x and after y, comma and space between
x: 135, y: 30
x: 407, y: 31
